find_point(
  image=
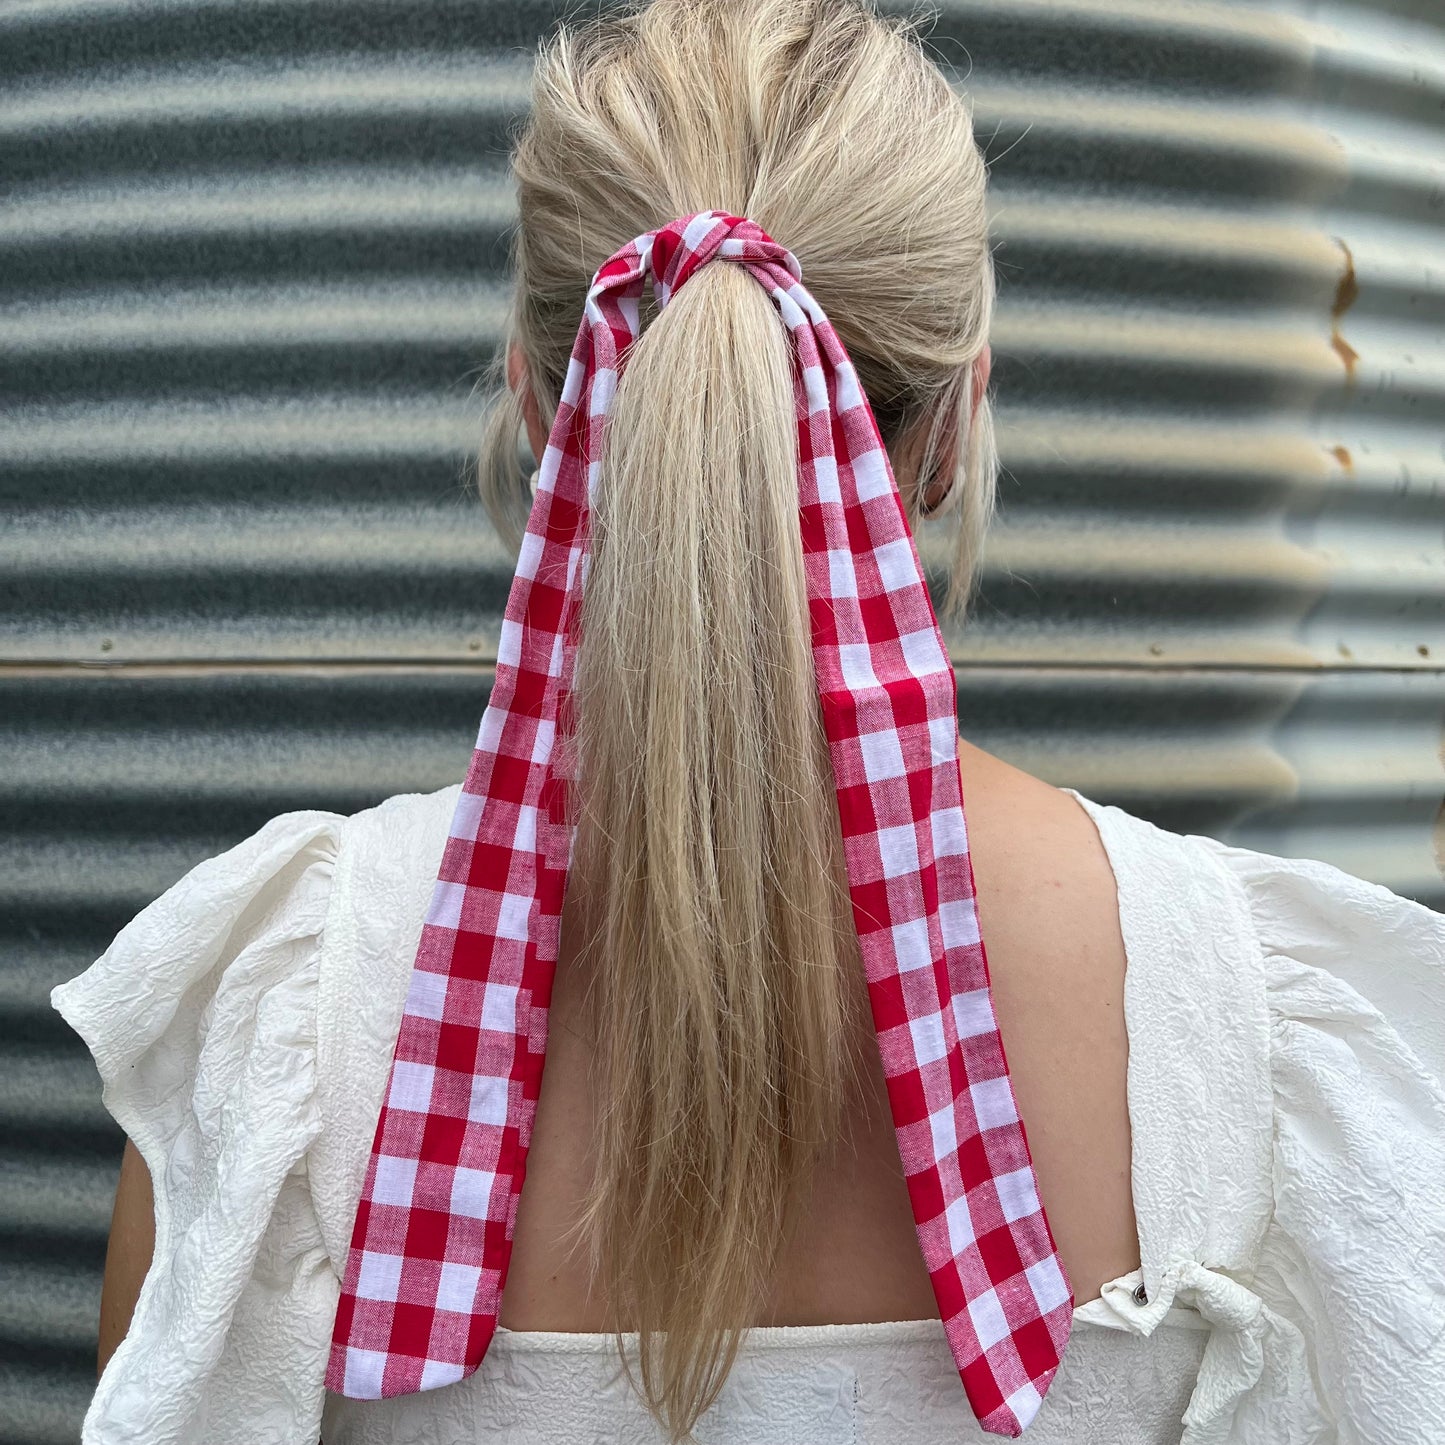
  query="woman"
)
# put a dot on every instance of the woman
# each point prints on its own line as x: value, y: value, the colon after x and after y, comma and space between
x: 1238, y: 1142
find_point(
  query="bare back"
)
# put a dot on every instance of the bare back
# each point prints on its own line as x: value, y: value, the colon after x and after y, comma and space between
x: 1049, y: 916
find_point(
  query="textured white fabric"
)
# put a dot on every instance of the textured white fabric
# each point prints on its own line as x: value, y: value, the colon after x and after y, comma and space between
x: 1287, y: 1051
x: 890, y: 1384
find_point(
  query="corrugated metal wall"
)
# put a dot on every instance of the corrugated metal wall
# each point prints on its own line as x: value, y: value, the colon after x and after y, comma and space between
x: 249, y: 266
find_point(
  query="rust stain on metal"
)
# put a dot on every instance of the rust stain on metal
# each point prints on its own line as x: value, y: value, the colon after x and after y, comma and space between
x: 1343, y: 457
x: 1346, y: 293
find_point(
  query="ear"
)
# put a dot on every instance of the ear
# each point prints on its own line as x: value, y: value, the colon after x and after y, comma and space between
x: 521, y: 386
x: 981, y: 369
x: 948, y: 450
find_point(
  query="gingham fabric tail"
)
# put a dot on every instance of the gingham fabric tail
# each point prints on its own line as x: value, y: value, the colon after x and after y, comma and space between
x: 433, y: 1234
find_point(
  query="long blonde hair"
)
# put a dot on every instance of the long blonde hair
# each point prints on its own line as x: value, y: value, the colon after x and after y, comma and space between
x: 721, y: 958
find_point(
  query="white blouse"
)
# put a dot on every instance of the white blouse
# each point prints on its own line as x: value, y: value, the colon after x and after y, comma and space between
x: 1286, y: 1089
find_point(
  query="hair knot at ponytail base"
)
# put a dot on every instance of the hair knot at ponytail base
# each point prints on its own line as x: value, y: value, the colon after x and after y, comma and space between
x: 433, y: 1236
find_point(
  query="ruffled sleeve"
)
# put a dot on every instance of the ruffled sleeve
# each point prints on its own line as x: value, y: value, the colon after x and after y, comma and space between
x: 202, y: 1018
x: 1287, y: 1099
x: 1354, y: 980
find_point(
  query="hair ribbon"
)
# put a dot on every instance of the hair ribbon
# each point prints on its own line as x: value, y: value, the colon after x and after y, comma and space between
x: 421, y: 1291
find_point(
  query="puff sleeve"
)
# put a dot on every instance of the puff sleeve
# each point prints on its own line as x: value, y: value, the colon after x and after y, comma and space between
x: 202, y: 1019
x: 1287, y: 1099
x: 1354, y: 980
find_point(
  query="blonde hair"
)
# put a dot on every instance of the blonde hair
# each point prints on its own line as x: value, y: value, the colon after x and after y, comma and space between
x: 721, y: 957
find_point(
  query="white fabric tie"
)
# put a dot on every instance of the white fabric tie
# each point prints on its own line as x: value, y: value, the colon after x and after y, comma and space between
x: 1255, y: 1373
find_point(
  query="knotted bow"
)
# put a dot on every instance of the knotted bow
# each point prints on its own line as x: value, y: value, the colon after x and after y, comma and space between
x: 433, y: 1234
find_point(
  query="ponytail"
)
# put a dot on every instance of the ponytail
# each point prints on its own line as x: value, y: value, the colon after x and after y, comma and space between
x: 708, y: 839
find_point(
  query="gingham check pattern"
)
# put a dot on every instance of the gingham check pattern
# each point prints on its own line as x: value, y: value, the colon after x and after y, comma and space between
x: 433, y: 1232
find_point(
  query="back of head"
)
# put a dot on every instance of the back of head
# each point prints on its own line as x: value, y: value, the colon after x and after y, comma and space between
x: 722, y: 958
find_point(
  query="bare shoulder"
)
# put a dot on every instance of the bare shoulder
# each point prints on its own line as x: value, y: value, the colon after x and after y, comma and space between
x: 1033, y: 845
x: 1049, y: 914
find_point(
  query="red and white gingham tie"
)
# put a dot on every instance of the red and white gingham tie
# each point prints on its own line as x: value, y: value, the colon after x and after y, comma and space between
x: 433, y: 1234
